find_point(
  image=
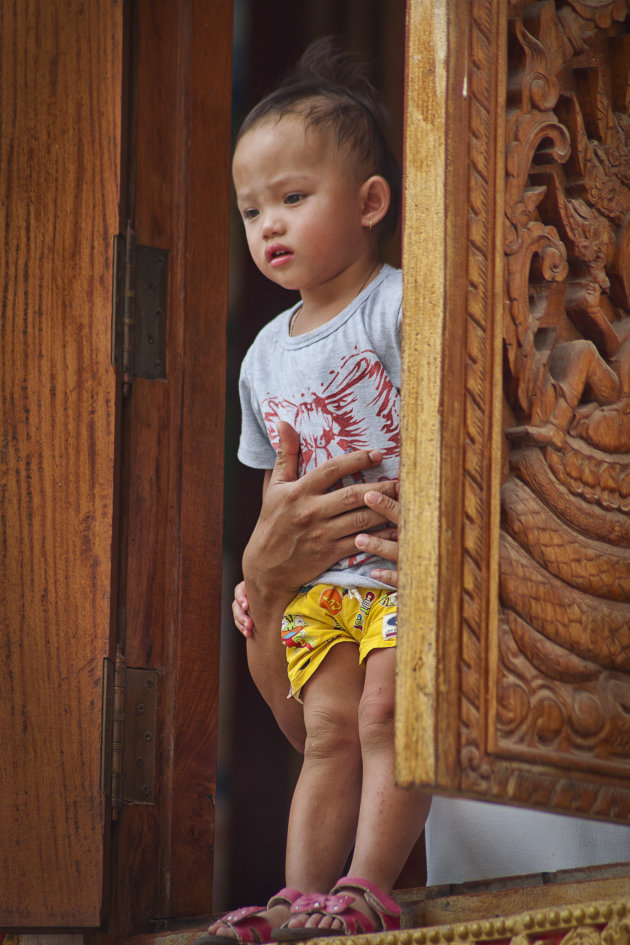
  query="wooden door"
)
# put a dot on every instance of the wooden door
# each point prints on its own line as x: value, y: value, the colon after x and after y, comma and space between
x: 516, y: 535
x: 110, y: 503
x: 172, y: 463
x: 60, y: 179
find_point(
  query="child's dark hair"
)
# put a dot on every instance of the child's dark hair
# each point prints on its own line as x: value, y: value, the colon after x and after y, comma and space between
x: 330, y: 89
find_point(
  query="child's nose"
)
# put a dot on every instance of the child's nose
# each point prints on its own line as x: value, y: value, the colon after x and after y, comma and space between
x: 272, y: 225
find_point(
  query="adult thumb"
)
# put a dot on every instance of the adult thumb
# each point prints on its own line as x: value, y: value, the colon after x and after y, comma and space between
x: 285, y: 468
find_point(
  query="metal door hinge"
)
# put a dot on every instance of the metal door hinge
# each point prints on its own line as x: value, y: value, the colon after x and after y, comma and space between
x: 139, y: 309
x: 129, y: 733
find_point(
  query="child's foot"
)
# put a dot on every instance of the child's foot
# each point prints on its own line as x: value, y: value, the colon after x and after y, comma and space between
x: 354, y: 906
x: 252, y: 924
x: 329, y: 922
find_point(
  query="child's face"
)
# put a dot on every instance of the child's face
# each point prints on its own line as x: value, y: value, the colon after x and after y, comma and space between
x: 301, y: 203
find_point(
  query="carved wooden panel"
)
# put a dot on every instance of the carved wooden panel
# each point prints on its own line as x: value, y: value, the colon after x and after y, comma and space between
x: 522, y: 662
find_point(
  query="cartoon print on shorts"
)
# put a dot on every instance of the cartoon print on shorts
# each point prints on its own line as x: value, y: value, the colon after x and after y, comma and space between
x: 364, y: 609
x: 390, y: 626
x: 293, y: 632
x: 330, y: 600
x: 391, y: 600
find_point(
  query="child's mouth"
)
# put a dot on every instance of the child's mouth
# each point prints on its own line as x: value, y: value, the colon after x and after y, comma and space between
x: 277, y: 255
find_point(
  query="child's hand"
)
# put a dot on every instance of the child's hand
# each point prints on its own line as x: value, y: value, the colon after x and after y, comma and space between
x: 384, y: 542
x: 240, y: 607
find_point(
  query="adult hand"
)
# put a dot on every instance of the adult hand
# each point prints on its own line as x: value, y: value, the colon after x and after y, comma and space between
x: 304, y: 528
x: 383, y: 543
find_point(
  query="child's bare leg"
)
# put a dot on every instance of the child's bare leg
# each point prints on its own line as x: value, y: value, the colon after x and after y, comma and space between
x: 390, y: 818
x: 325, y: 805
x: 386, y: 810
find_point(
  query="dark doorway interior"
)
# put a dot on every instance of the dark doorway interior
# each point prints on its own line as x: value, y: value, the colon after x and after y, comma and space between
x: 257, y: 768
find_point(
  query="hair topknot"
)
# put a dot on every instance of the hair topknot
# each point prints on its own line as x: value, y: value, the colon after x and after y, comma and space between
x: 330, y: 89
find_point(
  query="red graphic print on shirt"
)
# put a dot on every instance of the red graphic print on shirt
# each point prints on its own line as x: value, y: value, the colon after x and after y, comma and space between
x: 358, y: 408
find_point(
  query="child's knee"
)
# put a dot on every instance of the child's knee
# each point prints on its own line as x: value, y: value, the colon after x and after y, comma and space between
x: 376, y: 717
x: 331, y: 735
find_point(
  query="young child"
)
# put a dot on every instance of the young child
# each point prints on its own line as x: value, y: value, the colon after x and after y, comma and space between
x: 318, y: 188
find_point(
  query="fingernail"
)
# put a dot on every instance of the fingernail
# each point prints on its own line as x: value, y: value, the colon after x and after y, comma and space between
x: 361, y: 541
x: 375, y: 456
x: 373, y: 496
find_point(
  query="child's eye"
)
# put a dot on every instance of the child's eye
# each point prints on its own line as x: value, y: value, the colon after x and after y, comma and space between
x: 250, y: 213
x: 294, y: 198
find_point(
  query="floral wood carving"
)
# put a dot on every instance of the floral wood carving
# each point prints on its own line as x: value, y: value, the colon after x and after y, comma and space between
x: 563, y: 673
x: 544, y: 714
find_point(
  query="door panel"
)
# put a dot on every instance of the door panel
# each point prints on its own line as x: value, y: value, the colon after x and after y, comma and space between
x: 60, y: 159
x: 172, y: 467
x: 516, y: 547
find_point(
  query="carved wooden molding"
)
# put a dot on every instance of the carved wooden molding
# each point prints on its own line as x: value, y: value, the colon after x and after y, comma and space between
x: 586, y: 923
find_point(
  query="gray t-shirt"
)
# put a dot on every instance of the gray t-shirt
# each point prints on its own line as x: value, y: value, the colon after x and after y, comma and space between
x: 339, y: 387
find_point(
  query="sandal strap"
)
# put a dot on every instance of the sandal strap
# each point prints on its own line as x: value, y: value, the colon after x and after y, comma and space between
x: 239, y: 914
x: 247, y: 923
x: 256, y: 929
x: 284, y: 897
x: 386, y: 908
x: 311, y: 903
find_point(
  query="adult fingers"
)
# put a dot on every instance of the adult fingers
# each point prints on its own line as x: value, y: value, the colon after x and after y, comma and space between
x: 352, y: 498
x: 319, y: 480
x: 340, y: 527
x: 344, y: 544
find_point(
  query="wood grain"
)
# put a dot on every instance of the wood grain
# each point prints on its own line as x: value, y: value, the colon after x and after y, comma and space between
x: 173, y: 459
x: 59, y: 166
x: 423, y: 330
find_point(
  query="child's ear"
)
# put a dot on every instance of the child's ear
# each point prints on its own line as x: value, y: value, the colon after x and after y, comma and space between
x: 375, y: 200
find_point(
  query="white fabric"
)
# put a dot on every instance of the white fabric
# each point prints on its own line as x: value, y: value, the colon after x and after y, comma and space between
x: 473, y: 840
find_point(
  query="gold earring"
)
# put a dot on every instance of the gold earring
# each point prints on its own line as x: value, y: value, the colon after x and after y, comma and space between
x: 371, y: 223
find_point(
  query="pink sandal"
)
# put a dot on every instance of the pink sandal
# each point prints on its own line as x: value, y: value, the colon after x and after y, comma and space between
x: 339, y: 905
x: 247, y: 923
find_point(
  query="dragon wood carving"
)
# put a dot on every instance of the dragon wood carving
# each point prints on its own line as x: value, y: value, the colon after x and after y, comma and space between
x: 563, y: 680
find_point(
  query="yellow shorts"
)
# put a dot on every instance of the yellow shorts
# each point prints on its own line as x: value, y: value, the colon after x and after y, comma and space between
x: 322, y: 616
